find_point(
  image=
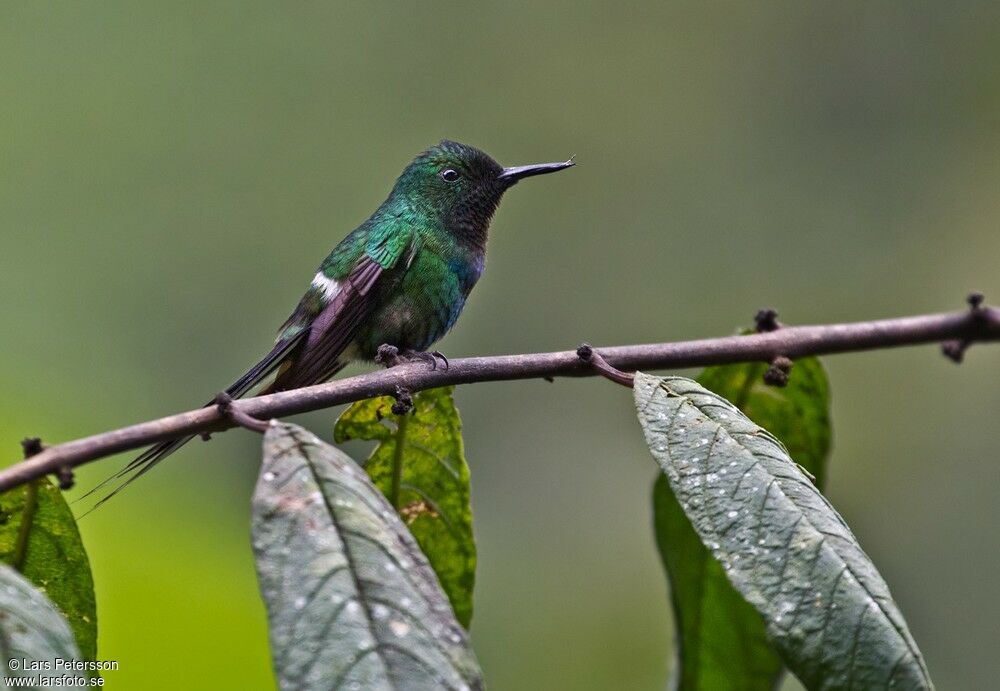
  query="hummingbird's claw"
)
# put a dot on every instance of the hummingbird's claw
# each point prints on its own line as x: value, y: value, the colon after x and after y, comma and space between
x: 444, y: 359
x: 422, y: 356
x: 390, y: 356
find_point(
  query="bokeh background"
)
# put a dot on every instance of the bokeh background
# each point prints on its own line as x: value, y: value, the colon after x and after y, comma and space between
x: 172, y: 173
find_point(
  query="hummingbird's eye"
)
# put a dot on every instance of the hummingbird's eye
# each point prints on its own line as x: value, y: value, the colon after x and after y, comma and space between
x: 449, y: 175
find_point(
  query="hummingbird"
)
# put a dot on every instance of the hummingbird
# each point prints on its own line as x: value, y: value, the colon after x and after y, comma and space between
x: 399, y: 280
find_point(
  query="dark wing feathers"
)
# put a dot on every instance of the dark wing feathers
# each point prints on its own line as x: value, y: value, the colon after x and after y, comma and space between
x: 266, y: 366
x: 334, y: 328
x: 310, y: 357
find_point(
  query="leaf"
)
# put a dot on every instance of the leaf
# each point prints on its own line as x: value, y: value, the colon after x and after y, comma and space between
x: 33, y: 633
x: 433, y: 491
x: 785, y: 549
x: 39, y: 538
x: 798, y: 414
x: 352, y: 602
x: 721, y: 641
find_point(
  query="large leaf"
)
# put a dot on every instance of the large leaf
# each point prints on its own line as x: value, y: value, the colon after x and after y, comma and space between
x: 33, y: 634
x: 798, y: 414
x: 720, y: 641
x: 786, y: 550
x: 39, y: 538
x: 352, y: 602
x: 431, y: 488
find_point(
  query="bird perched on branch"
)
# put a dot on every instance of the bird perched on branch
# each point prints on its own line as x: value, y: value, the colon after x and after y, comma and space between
x: 399, y: 279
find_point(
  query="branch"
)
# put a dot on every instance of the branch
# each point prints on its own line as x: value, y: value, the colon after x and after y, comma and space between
x: 955, y: 329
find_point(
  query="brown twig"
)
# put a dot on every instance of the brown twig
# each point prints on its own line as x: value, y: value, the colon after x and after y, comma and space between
x: 766, y: 320
x: 777, y: 374
x: 586, y: 353
x: 971, y: 325
x: 954, y: 349
x: 224, y: 404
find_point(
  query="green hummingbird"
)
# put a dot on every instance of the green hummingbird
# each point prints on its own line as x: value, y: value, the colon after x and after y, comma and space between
x: 399, y: 279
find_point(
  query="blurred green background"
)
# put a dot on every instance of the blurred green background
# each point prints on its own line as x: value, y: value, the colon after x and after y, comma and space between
x: 172, y: 173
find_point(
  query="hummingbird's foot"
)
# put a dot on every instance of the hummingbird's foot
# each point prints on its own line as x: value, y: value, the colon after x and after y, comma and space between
x: 430, y: 357
x: 390, y: 356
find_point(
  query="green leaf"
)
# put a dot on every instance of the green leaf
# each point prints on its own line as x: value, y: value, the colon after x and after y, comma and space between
x: 352, y: 602
x: 33, y: 633
x: 721, y: 641
x: 39, y: 538
x: 797, y: 414
x: 431, y: 491
x: 826, y: 609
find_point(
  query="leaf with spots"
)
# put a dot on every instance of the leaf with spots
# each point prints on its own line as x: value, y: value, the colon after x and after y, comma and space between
x: 721, y: 641
x: 39, y: 538
x: 32, y: 631
x: 352, y: 602
x: 798, y: 414
x: 419, y: 464
x: 826, y: 609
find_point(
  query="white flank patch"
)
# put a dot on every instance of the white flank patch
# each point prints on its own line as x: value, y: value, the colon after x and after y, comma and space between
x: 329, y: 286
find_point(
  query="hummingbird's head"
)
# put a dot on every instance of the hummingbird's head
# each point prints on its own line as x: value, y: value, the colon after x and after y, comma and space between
x: 462, y: 185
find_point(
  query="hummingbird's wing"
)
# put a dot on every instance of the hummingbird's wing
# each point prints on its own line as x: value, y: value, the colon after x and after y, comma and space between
x: 335, y: 327
x: 332, y: 330
x: 311, y: 342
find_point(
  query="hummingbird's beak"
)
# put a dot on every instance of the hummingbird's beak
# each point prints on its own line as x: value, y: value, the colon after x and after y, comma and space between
x: 515, y: 173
